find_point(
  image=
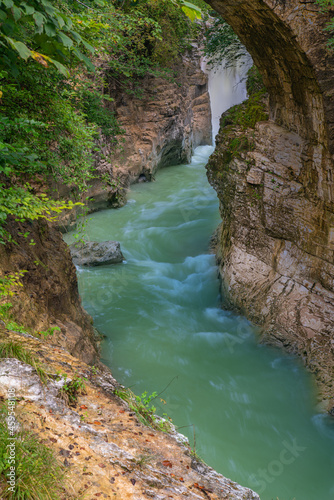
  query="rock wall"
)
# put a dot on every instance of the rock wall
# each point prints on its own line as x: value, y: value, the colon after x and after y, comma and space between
x: 275, y: 253
x: 277, y: 238
x: 49, y: 296
x: 162, y: 127
x: 167, y: 122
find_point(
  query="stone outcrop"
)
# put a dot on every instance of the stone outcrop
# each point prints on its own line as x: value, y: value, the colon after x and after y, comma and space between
x: 167, y: 122
x: 274, y: 255
x: 277, y: 201
x: 49, y: 294
x: 107, y: 452
x: 93, y: 253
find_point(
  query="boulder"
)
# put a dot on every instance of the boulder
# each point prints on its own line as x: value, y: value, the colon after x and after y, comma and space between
x: 93, y: 253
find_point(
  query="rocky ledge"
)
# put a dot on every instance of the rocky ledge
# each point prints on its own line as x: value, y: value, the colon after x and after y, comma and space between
x: 107, y: 452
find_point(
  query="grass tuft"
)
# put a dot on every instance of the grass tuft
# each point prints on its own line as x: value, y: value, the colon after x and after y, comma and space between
x: 39, y: 476
x: 16, y: 350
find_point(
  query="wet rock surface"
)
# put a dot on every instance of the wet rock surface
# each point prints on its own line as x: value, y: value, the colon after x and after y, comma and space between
x: 93, y: 253
x: 107, y: 452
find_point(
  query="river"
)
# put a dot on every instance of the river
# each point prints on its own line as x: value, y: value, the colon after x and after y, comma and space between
x: 252, y: 406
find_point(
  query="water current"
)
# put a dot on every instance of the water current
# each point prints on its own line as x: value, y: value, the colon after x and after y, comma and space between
x: 252, y: 407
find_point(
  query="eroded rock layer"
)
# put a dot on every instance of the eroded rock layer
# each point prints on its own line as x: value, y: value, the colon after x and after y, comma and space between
x: 275, y: 259
x: 167, y: 122
x: 49, y: 295
x: 277, y: 239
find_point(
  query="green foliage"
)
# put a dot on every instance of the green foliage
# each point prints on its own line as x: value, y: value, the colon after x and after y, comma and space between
x: 140, y: 405
x: 38, y: 473
x: 144, y: 410
x: 325, y: 6
x: 49, y: 332
x: 144, y: 402
x: 9, y: 282
x: 42, y: 125
x: 176, y: 31
x: 72, y: 389
x: 93, y: 106
x: 38, y: 30
x: 50, y: 116
x: 16, y: 350
x: 254, y: 82
x: 221, y: 43
x: 246, y: 114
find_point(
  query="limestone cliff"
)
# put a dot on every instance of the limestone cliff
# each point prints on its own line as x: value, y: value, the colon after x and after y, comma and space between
x: 49, y: 295
x: 162, y: 127
x: 275, y: 242
x: 169, y: 120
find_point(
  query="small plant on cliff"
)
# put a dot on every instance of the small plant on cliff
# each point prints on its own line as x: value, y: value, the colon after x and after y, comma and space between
x: 38, y: 473
x: 71, y: 389
x: 140, y: 405
x: 10, y: 282
x: 222, y: 44
x: 49, y: 332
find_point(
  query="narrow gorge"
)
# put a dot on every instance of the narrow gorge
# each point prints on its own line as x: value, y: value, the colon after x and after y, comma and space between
x: 226, y: 334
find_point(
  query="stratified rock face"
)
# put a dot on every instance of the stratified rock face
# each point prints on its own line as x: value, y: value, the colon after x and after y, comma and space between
x: 92, y: 253
x: 277, y: 237
x: 49, y: 295
x: 170, y: 119
x: 276, y: 261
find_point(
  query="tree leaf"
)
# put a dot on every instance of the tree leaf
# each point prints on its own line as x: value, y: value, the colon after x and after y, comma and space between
x: 76, y: 36
x: 17, y: 13
x: 85, y: 59
x: 39, y: 19
x: 60, y: 67
x: 60, y: 20
x: 88, y: 46
x: 20, y: 47
x: 191, y: 12
x: 8, y: 3
x: 65, y: 40
x: 29, y: 10
x: 50, y: 29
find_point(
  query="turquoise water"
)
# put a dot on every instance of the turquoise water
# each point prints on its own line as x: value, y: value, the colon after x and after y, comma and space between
x: 252, y: 407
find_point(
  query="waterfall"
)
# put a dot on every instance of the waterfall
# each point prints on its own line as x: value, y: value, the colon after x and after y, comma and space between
x: 227, y: 87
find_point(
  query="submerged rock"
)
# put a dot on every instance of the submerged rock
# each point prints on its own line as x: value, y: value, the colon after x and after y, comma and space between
x: 92, y: 253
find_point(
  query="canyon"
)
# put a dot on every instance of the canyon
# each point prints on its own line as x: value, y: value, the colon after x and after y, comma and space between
x: 275, y: 246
